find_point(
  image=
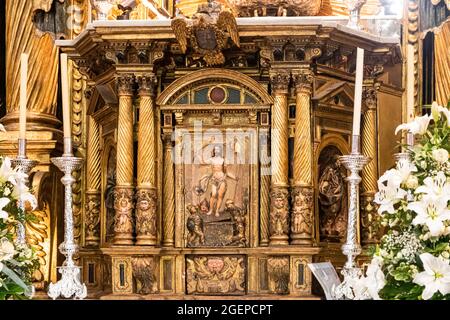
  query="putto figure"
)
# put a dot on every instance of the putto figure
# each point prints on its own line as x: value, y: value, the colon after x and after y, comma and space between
x: 195, y: 227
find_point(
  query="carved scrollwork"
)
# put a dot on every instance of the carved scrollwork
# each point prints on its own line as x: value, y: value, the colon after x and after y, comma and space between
x: 92, y: 219
x: 278, y: 270
x: 144, y: 269
x: 215, y: 275
x: 370, y: 97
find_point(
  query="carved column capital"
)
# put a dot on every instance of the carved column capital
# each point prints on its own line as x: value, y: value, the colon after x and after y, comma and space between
x: 279, y: 216
x: 125, y: 83
x: 146, y: 206
x: 280, y: 81
x: 303, y: 80
x: 370, y: 97
x: 147, y: 84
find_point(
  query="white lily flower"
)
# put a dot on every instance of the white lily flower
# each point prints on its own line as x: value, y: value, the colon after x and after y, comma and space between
x: 6, y: 249
x: 3, y: 214
x: 7, y: 173
x: 405, y: 168
x: 439, y: 109
x: 436, y: 276
x: 437, y: 187
x: 375, y: 279
x: 389, y: 192
x: 418, y: 126
x: 431, y: 212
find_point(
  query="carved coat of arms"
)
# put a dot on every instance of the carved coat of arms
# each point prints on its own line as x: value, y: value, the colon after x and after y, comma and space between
x: 207, y: 32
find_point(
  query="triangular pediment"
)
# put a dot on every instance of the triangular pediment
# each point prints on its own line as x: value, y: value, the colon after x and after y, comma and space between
x: 335, y: 93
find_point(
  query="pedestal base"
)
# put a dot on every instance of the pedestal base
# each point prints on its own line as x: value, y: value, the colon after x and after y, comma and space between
x: 69, y: 285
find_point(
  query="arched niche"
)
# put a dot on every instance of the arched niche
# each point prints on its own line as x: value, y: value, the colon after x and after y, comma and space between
x: 331, y: 189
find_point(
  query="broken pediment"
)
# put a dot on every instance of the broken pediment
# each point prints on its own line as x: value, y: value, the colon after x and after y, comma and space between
x: 335, y: 94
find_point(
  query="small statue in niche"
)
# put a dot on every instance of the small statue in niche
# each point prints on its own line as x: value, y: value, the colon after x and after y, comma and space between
x: 238, y: 218
x: 195, y: 227
x: 331, y: 193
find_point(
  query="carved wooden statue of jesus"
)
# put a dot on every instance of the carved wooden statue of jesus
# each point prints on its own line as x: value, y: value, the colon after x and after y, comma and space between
x: 217, y: 179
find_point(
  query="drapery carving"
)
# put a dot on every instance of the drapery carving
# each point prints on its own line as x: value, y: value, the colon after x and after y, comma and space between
x: 441, y: 41
x: 21, y: 31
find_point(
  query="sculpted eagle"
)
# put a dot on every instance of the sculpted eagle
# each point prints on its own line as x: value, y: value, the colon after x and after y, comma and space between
x: 207, y: 31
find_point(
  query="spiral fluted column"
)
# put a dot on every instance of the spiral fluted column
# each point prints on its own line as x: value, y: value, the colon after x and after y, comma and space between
x: 124, y: 192
x: 369, y: 146
x: 264, y: 198
x: 146, y: 205
x: 302, y: 192
x: 168, y: 191
x: 93, y: 168
x: 279, y: 205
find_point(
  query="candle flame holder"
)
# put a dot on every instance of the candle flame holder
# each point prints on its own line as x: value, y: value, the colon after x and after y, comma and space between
x: 25, y: 165
x: 354, y: 163
x: 70, y: 284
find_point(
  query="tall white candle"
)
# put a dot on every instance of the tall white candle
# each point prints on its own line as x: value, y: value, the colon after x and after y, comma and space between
x: 410, y: 83
x: 65, y: 97
x: 358, y: 91
x: 23, y: 96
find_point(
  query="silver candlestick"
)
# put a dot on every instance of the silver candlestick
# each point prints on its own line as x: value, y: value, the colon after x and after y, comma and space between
x: 25, y: 165
x: 354, y: 163
x: 70, y: 284
x: 354, y: 8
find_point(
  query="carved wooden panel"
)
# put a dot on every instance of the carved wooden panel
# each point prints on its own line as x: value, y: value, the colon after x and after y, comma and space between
x: 216, y: 275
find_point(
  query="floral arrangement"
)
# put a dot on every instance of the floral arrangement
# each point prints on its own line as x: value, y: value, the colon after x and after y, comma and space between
x: 412, y: 260
x: 17, y: 261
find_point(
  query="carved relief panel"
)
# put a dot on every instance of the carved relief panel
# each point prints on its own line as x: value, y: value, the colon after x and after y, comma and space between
x: 216, y: 172
x: 216, y: 275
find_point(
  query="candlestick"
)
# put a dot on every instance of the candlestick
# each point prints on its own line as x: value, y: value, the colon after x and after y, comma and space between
x: 70, y: 283
x: 23, y: 95
x: 25, y: 165
x: 354, y: 163
x: 358, y: 91
x: 410, y: 79
x: 65, y: 97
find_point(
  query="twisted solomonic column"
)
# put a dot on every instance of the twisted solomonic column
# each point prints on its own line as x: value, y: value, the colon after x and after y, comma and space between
x: 146, y: 205
x: 264, y: 199
x: 302, y: 195
x: 369, y: 146
x: 168, y: 192
x: 124, y: 192
x: 93, y: 168
x: 279, y: 204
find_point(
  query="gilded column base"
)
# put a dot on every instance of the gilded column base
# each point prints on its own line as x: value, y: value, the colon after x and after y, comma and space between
x: 302, y: 215
x: 279, y: 216
x: 92, y: 218
x: 123, y: 222
x: 146, y: 204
